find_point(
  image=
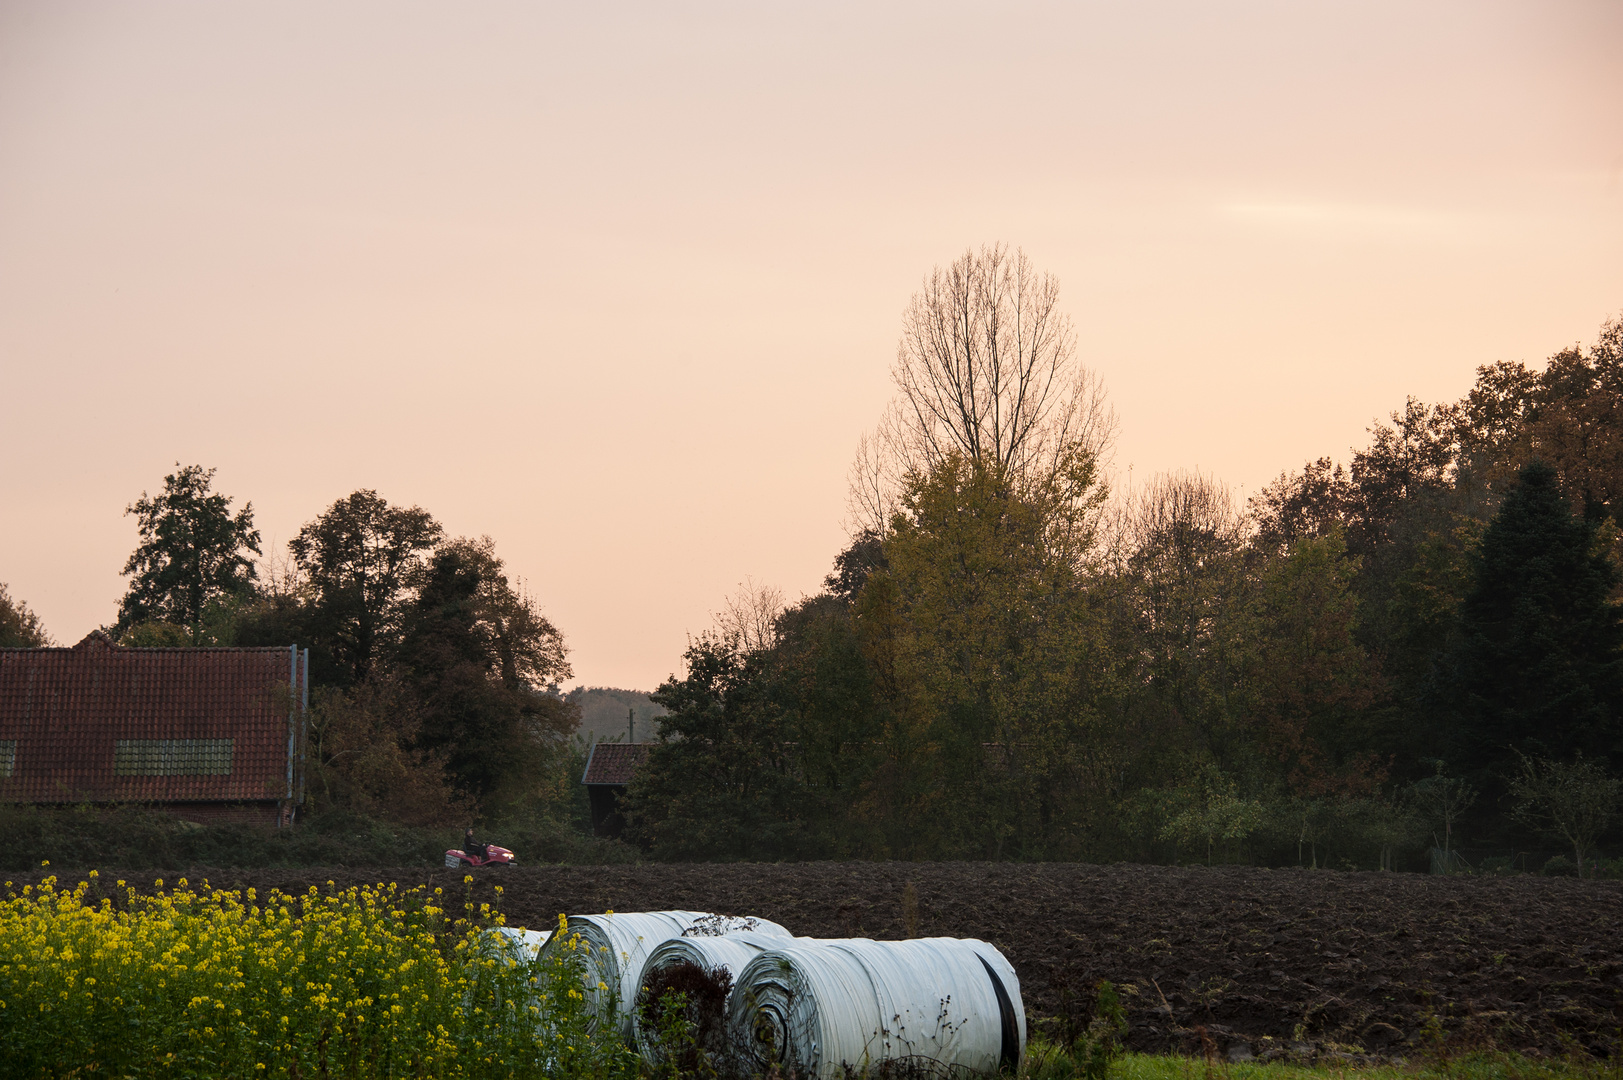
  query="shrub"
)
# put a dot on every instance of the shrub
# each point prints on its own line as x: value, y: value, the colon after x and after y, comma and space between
x: 1609, y: 869
x: 684, y: 1008
x: 1086, y: 1035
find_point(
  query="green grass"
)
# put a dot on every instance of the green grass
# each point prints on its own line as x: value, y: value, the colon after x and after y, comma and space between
x: 1479, y: 1065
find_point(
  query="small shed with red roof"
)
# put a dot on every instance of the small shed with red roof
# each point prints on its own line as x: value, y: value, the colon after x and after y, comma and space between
x: 206, y: 734
x: 609, y: 768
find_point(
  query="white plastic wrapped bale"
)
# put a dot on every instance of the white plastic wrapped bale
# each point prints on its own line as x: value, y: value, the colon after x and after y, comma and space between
x: 731, y: 952
x: 515, y: 944
x: 617, y: 945
x: 515, y: 941
x: 815, y: 1008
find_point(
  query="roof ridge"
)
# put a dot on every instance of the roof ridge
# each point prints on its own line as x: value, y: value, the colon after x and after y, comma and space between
x: 87, y: 644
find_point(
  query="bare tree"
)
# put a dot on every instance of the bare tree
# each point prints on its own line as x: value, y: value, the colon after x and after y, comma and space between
x: 1176, y: 533
x: 1182, y: 517
x: 876, y: 475
x: 986, y: 368
x: 749, y: 617
x: 1177, y: 548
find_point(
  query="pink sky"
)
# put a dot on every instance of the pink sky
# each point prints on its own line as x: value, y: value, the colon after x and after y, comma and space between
x: 619, y: 285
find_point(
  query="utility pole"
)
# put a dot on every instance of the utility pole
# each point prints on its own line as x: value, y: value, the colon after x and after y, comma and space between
x: 631, y: 725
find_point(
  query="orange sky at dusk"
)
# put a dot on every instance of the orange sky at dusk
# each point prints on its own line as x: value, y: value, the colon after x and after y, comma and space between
x: 619, y: 285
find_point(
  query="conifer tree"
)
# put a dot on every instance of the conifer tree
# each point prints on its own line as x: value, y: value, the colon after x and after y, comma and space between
x: 1539, y: 664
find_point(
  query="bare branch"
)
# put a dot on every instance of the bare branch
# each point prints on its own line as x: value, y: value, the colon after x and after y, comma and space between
x: 986, y: 368
x: 749, y: 617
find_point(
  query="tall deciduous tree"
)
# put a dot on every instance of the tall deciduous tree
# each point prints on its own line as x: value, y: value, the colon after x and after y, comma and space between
x: 749, y: 617
x: 194, y: 552
x: 482, y: 660
x: 1307, y: 680
x: 978, y: 504
x: 1186, y: 585
x: 1570, y: 415
x: 994, y: 650
x: 359, y: 558
x: 987, y: 371
x: 1404, y: 464
x: 526, y: 651
x: 1310, y: 503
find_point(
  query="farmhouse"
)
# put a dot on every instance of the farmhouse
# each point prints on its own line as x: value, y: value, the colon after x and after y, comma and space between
x: 206, y: 734
x: 609, y: 768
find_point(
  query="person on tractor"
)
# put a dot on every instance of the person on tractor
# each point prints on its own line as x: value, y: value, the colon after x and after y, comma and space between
x: 470, y: 848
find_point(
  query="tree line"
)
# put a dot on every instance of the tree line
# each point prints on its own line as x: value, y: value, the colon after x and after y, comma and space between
x: 1413, y: 658
x: 435, y: 676
x: 1387, y: 662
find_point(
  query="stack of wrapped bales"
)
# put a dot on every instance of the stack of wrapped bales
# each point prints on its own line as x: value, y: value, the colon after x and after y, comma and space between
x: 815, y: 1008
x: 618, y: 944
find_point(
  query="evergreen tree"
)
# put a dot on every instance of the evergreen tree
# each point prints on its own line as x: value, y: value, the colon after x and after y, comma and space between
x: 1538, y: 668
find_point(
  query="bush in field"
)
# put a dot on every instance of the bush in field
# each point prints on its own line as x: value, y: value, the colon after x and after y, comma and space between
x: 1573, y: 802
x: 364, y: 982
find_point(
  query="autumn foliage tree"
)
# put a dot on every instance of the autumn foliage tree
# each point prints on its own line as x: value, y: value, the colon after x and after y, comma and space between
x: 1011, y: 661
x: 993, y: 657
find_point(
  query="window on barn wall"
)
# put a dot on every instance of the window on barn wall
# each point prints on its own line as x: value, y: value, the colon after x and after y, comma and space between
x: 172, y: 757
x: 8, y: 756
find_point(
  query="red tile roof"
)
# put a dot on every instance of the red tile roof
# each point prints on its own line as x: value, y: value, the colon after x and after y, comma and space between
x: 613, y: 763
x: 102, y: 723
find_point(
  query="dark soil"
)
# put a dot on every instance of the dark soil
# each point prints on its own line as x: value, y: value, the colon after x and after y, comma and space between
x: 1330, y: 962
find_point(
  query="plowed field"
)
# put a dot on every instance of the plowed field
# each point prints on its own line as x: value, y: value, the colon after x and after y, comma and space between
x: 1260, y: 960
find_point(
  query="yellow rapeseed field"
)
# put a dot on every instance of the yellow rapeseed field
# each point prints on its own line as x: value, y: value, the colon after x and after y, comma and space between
x: 199, y: 982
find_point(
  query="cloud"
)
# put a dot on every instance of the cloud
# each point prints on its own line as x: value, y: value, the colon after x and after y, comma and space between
x: 1350, y: 221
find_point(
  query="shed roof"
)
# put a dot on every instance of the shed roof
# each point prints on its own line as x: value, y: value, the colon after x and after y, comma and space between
x: 103, y: 723
x: 614, y: 763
